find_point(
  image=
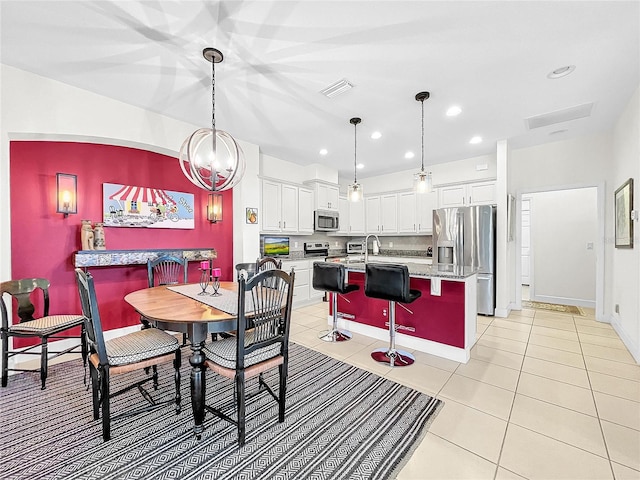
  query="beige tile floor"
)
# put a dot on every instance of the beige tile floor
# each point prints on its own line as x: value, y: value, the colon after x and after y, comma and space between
x: 544, y: 396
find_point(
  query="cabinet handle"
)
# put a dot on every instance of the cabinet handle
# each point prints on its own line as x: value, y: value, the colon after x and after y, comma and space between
x: 284, y: 224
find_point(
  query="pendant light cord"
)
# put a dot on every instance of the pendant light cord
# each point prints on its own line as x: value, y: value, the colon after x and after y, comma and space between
x: 355, y: 153
x: 422, y: 102
x: 214, y: 172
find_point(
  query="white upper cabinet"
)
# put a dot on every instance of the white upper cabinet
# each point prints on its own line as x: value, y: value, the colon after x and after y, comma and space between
x: 426, y: 203
x: 343, y: 216
x: 480, y: 193
x: 326, y: 195
x: 289, y: 208
x: 280, y: 208
x: 381, y: 213
x: 271, y: 206
x: 356, y: 218
x: 389, y: 213
x: 372, y: 214
x: 305, y: 210
x: 407, y: 212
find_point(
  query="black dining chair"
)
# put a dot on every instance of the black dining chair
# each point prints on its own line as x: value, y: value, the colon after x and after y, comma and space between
x: 46, y: 327
x: 267, y: 263
x: 133, y: 351
x: 166, y: 270
x: 261, y: 343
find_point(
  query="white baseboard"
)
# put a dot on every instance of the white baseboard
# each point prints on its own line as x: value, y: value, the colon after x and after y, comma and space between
x: 576, y: 302
x: 631, y: 345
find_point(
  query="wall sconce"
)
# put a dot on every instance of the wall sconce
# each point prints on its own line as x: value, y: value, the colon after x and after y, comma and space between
x: 214, y: 208
x: 66, y: 193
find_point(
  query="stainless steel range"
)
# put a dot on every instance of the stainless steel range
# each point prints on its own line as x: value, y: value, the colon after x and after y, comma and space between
x: 316, y: 249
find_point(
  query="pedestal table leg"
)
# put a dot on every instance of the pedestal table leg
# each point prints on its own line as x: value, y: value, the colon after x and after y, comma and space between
x: 197, y: 336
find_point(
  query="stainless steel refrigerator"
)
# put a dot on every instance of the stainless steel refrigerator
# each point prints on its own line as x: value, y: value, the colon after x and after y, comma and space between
x: 466, y: 236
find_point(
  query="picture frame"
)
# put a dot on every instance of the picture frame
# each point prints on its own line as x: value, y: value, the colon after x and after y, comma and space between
x: 623, y: 201
x: 251, y: 216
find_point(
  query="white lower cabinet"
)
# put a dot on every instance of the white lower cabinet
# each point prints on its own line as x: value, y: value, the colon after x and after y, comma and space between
x: 303, y: 291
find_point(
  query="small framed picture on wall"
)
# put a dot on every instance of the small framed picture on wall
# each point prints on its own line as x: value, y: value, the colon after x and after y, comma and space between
x: 623, y: 222
x: 252, y: 215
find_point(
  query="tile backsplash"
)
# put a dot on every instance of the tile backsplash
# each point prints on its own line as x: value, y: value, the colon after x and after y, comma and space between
x: 412, y: 245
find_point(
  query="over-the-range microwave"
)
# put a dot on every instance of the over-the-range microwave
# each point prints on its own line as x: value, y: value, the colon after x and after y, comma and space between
x: 326, y: 221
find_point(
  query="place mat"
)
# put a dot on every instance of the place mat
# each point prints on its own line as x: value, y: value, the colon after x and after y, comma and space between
x: 554, y: 307
x: 226, y: 302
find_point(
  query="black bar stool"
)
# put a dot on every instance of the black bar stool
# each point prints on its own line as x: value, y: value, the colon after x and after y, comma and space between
x: 390, y: 282
x: 330, y: 277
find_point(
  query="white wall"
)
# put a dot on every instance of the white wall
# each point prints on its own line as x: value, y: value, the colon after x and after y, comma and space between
x: 623, y: 278
x: 577, y: 163
x: 465, y: 170
x: 563, y: 222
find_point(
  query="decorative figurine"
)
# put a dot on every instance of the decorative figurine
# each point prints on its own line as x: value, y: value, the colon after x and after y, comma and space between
x: 86, y: 235
x: 98, y: 237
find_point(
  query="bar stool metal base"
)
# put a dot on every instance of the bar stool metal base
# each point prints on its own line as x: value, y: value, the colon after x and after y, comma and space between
x: 334, y: 335
x: 393, y: 358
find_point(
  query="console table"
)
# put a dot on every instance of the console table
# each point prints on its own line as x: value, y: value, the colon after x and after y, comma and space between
x: 109, y: 258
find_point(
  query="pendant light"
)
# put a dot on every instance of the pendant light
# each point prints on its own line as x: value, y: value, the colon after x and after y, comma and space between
x: 422, y: 180
x: 212, y: 159
x: 354, y: 193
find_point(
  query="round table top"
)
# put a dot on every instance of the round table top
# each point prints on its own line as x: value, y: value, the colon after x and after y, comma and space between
x: 163, y: 305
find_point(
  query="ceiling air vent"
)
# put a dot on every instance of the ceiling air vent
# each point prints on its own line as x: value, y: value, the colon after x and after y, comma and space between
x: 559, y: 116
x: 337, y: 88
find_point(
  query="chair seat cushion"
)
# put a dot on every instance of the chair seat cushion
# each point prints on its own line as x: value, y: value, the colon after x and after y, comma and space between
x: 141, y: 345
x: 47, y: 325
x: 223, y: 352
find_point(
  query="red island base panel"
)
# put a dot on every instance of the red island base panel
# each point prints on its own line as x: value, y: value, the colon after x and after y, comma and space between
x: 440, y: 319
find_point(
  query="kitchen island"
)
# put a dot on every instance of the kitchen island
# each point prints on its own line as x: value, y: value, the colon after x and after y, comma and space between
x: 441, y: 322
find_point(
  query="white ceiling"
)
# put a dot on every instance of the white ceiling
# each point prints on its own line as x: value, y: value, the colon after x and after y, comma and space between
x: 490, y: 58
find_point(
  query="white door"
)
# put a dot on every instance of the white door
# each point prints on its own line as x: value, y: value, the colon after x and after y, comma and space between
x: 526, y: 241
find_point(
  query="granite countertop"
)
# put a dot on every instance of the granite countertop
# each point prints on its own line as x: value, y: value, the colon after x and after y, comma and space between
x: 423, y: 270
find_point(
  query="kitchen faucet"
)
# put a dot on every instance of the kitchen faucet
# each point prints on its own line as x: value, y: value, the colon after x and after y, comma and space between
x: 366, y: 243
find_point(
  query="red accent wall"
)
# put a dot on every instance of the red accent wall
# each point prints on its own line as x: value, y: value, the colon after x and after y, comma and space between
x: 43, y: 243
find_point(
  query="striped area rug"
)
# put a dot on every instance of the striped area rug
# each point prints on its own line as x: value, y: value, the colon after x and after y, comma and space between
x: 341, y: 423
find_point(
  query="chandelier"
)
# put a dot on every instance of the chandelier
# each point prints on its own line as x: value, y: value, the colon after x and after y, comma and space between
x: 422, y: 179
x: 354, y: 192
x: 212, y: 159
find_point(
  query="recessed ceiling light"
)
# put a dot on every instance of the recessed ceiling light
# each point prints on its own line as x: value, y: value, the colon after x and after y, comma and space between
x: 409, y: 155
x: 323, y: 151
x: 561, y: 72
x: 376, y: 135
x: 454, y: 111
x: 360, y: 166
x: 476, y: 139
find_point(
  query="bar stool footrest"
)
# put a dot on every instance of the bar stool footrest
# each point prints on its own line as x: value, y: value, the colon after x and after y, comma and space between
x: 393, y: 358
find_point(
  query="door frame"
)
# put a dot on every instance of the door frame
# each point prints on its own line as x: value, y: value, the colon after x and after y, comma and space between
x: 599, y: 246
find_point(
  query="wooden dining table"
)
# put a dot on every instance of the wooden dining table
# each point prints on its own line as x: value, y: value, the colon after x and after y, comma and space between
x: 169, y: 310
